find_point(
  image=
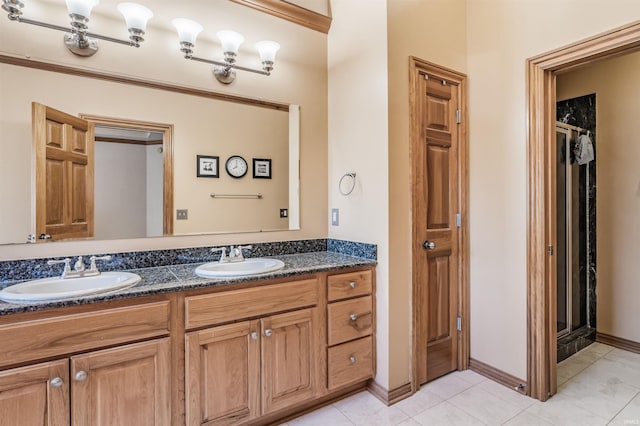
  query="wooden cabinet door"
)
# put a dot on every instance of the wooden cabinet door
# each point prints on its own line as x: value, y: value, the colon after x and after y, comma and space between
x: 288, y: 359
x: 35, y: 395
x: 127, y: 385
x: 64, y: 174
x: 223, y: 374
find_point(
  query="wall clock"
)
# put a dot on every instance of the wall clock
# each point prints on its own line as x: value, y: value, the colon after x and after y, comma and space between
x: 236, y: 166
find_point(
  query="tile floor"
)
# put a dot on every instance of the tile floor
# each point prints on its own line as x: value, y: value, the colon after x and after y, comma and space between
x: 599, y: 385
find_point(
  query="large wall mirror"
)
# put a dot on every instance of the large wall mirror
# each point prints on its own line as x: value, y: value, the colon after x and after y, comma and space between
x: 136, y: 193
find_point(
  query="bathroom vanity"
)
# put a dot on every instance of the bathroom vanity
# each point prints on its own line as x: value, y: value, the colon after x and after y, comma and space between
x: 193, y: 351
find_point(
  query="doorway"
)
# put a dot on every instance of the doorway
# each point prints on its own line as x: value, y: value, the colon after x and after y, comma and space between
x: 440, y: 334
x: 148, y: 179
x: 542, y: 225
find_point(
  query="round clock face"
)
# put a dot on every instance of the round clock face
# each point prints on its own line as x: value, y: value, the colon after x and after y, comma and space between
x: 236, y: 166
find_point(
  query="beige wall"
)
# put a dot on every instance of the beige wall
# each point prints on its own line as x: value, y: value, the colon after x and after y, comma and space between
x: 501, y: 35
x: 358, y: 142
x: 299, y: 77
x: 617, y: 87
x: 435, y: 31
x: 368, y: 134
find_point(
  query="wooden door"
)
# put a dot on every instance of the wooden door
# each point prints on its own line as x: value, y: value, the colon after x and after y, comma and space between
x: 435, y: 248
x: 35, y: 395
x: 288, y: 364
x: 63, y: 146
x: 223, y: 374
x: 127, y: 385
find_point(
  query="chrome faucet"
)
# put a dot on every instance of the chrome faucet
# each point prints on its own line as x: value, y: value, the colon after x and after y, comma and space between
x: 235, y: 253
x: 223, y: 255
x: 79, y: 268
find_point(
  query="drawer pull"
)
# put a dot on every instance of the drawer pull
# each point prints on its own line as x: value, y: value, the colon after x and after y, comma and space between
x: 254, y: 335
x: 352, y: 359
x: 56, y: 382
x: 353, y: 317
x: 81, y: 375
x: 268, y: 332
x: 352, y: 284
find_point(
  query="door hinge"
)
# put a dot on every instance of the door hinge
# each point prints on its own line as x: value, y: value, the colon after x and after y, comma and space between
x: 459, y: 323
x: 458, y: 116
x: 458, y: 220
x: 550, y: 250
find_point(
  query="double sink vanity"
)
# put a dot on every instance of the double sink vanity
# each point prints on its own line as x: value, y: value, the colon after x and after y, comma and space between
x: 242, y: 341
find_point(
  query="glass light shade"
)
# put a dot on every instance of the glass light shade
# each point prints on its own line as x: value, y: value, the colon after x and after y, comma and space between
x: 188, y: 30
x: 267, y: 50
x: 230, y: 40
x: 81, y: 7
x: 135, y: 15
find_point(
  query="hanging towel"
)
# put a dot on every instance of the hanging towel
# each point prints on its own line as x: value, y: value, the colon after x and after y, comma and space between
x: 584, y: 150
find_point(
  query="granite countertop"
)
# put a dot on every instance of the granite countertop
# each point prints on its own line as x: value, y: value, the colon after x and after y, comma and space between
x: 166, y: 279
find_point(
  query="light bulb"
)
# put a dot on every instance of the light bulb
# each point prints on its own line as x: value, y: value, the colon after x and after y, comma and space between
x: 81, y: 7
x: 135, y: 15
x: 188, y: 30
x: 267, y: 50
x: 230, y: 40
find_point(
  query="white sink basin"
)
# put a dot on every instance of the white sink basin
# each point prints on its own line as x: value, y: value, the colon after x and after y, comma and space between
x: 56, y: 288
x: 252, y: 266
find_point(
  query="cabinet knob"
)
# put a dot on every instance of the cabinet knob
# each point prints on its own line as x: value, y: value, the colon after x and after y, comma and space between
x: 56, y: 382
x: 268, y: 332
x: 352, y: 359
x: 352, y: 284
x: 254, y: 335
x: 81, y: 375
x: 353, y: 317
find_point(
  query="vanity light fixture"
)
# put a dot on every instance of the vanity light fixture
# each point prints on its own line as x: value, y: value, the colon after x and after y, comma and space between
x: 77, y: 38
x: 224, y: 71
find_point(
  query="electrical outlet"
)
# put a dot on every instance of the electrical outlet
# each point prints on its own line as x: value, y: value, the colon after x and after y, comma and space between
x: 182, y: 214
x: 284, y: 212
x: 335, y: 217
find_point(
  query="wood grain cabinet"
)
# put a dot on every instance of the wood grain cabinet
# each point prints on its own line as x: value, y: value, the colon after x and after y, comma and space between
x: 350, y: 328
x: 238, y: 372
x: 128, y: 385
x: 35, y: 395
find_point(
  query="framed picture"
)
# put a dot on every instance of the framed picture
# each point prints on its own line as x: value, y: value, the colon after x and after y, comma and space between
x: 207, y: 166
x: 262, y: 168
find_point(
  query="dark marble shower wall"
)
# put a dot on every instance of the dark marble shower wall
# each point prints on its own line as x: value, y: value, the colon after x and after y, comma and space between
x: 581, y: 112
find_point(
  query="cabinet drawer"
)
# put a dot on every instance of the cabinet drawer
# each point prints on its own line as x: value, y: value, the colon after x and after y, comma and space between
x: 349, y: 319
x: 343, y: 286
x: 350, y: 362
x: 31, y: 340
x: 210, y: 309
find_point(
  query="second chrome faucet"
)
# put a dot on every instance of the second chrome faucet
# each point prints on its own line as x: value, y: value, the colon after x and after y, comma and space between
x: 235, y: 253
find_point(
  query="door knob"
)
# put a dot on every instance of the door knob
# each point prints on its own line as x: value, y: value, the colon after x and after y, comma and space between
x: 268, y: 332
x: 81, y: 375
x: 429, y: 245
x: 56, y: 382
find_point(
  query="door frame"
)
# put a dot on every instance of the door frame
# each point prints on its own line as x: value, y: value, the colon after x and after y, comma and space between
x: 541, y: 222
x: 167, y: 158
x: 417, y: 66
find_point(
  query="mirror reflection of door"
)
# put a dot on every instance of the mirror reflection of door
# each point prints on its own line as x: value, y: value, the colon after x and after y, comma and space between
x: 63, y: 174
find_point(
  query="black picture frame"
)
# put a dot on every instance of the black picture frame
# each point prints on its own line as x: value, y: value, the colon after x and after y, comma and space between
x: 207, y: 166
x: 262, y: 168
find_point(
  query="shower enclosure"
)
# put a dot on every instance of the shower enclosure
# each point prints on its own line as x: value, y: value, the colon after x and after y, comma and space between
x: 575, y: 330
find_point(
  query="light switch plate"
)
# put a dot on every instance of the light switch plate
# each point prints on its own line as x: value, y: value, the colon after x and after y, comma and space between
x: 182, y: 214
x: 335, y: 217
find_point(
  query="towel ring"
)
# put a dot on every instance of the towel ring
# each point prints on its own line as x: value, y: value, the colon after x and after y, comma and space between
x: 351, y: 175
